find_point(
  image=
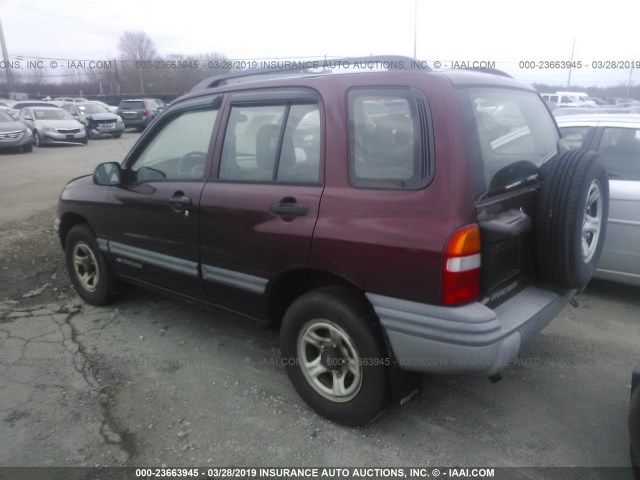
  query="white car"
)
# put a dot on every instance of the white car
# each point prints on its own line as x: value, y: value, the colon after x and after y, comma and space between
x: 617, y: 139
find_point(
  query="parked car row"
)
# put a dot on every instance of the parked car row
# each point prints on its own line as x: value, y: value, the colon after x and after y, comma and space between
x: 68, y: 120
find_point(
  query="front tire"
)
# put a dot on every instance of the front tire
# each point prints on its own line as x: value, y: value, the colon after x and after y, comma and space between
x: 36, y: 138
x: 89, y: 272
x: 27, y: 148
x: 335, y: 356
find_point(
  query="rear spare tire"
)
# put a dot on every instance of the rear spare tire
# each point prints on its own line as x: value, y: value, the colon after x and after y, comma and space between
x: 573, y: 209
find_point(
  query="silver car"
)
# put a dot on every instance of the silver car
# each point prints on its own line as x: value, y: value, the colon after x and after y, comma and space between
x: 52, y: 125
x: 13, y: 134
x: 617, y: 139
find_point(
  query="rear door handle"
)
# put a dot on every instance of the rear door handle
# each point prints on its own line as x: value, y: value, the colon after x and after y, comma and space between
x: 288, y: 210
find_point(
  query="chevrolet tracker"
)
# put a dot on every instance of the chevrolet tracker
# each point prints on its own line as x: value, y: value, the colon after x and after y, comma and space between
x: 385, y: 222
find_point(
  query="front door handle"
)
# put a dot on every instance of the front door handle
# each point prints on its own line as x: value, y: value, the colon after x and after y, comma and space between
x: 179, y: 201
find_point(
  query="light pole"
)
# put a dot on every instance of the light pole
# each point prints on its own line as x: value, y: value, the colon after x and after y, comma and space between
x: 7, y: 65
x: 573, y: 48
x: 415, y: 26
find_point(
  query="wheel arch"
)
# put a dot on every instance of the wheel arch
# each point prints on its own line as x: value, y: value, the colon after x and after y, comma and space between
x: 67, y: 222
x: 288, y: 286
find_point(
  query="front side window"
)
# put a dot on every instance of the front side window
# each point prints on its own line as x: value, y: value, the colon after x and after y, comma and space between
x: 386, y: 139
x: 510, y: 134
x: 178, y: 151
x: 620, y: 151
x: 272, y: 143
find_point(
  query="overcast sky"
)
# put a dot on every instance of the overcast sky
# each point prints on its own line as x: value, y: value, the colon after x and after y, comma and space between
x: 503, y: 31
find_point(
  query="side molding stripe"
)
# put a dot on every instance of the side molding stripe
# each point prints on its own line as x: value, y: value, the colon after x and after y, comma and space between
x: 178, y: 265
x: 103, y: 244
x: 234, y: 279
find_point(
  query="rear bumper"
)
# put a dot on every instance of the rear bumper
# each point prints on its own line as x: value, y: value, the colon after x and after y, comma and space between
x: 136, y: 122
x: 471, y: 339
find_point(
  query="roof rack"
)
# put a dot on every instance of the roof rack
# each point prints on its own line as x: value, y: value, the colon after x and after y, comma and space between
x: 389, y: 62
x: 493, y: 71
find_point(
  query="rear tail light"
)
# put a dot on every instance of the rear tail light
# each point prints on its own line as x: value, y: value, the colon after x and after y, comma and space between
x: 145, y: 113
x: 461, y: 266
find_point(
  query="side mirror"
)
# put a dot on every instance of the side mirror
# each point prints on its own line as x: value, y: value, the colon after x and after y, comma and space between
x: 108, y: 174
x: 28, y: 117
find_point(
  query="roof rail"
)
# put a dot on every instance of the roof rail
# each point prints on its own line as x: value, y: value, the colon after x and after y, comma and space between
x: 390, y: 62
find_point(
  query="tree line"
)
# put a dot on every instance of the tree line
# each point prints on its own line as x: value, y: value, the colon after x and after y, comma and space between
x: 140, y: 71
x: 137, y: 71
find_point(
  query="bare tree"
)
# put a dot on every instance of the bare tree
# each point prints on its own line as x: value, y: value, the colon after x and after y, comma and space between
x: 136, y: 48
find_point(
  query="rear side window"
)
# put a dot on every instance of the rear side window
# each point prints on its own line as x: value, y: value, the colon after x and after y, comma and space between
x: 510, y: 134
x: 620, y: 151
x: 574, y: 136
x: 267, y: 143
x: 388, y: 138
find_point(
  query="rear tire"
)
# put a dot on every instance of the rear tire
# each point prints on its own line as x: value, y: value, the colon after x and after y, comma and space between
x: 573, y: 209
x: 88, y: 269
x: 334, y: 354
x: 36, y: 138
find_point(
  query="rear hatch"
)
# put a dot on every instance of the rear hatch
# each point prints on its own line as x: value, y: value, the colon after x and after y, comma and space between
x: 132, y: 109
x: 511, y: 135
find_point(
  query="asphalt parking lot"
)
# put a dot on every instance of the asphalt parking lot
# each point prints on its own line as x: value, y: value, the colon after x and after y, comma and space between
x: 150, y: 381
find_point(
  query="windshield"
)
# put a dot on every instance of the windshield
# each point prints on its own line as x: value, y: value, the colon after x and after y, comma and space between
x: 51, y: 114
x: 5, y: 117
x: 510, y: 135
x: 91, y: 108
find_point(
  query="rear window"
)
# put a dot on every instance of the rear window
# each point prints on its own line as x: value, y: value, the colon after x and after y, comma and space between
x: 132, y: 105
x: 510, y: 135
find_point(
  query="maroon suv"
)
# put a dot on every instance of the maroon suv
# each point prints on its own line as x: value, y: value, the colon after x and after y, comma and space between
x: 385, y: 221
